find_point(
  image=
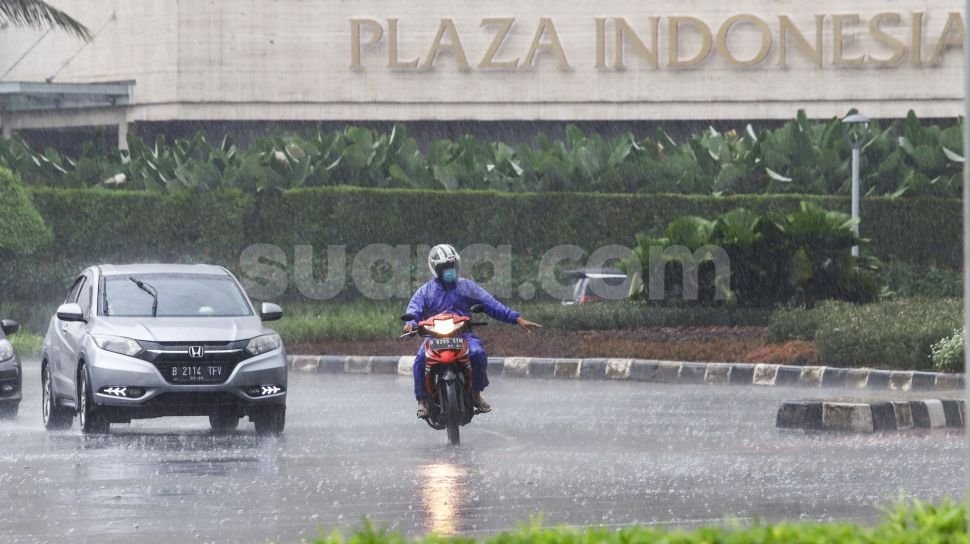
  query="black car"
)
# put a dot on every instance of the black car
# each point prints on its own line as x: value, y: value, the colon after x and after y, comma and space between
x: 11, y: 373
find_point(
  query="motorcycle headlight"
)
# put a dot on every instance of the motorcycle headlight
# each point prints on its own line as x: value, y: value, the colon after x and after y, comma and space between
x: 263, y: 344
x: 6, y: 350
x: 444, y: 326
x: 117, y: 344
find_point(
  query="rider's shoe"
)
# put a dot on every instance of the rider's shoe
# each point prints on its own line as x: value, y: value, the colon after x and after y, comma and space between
x: 480, y: 404
x: 422, y: 409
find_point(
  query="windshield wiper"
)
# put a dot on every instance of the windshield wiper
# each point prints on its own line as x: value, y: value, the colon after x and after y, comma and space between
x: 150, y: 290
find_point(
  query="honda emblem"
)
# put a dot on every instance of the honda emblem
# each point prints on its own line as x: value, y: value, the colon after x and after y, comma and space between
x: 196, y: 352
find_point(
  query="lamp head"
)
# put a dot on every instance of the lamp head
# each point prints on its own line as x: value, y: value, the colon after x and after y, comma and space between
x: 858, y: 126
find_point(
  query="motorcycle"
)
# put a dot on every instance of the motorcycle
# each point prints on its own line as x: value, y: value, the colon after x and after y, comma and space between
x: 447, y: 371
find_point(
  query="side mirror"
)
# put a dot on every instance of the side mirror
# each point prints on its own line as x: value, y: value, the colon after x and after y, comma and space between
x: 71, y: 312
x: 478, y: 308
x: 270, y: 312
x: 408, y: 317
x: 9, y: 326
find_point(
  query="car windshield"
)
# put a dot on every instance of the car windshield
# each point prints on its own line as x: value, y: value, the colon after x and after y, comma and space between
x: 179, y: 295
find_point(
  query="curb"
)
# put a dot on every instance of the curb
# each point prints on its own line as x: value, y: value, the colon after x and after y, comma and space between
x: 868, y: 417
x: 643, y: 370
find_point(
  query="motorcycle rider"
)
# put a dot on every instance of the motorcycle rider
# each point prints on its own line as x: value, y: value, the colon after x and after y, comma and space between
x: 447, y: 292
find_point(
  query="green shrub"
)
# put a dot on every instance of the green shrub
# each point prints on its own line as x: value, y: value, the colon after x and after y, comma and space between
x: 948, y: 354
x: 794, y: 324
x: 22, y: 229
x: 895, y: 334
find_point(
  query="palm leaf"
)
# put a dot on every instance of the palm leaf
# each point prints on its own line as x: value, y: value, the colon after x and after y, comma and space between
x: 40, y: 15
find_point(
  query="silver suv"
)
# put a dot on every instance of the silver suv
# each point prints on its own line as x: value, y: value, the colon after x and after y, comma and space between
x: 154, y: 340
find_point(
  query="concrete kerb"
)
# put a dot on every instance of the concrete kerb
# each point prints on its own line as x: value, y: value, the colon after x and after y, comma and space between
x: 652, y: 371
x: 868, y: 417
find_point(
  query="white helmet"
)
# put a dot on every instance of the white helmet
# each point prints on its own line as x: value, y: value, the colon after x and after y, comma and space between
x: 442, y: 256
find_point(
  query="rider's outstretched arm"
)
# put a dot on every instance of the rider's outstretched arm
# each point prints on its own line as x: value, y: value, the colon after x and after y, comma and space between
x: 498, y: 311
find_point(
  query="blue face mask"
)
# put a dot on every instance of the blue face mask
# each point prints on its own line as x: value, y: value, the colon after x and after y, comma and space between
x: 449, y: 276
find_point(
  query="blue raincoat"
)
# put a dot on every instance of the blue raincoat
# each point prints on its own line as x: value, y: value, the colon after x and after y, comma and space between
x: 436, y: 297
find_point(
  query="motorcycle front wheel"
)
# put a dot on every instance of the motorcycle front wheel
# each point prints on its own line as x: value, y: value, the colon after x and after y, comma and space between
x: 452, y: 416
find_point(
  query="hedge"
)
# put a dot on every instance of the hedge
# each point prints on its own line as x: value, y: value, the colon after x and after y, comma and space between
x: 908, y: 279
x: 913, y: 230
x: 22, y: 229
x: 91, y: 226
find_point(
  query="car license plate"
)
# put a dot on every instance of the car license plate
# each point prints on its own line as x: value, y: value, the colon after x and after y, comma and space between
x: 196, y: 373
x: 438, y: 344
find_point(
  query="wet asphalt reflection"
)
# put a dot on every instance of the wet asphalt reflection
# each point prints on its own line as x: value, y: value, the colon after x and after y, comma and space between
x: 574, y: 453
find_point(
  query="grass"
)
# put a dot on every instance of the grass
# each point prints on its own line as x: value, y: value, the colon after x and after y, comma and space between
x: 915, y: 523
x: 308, y: 323
x: 26, y: 344
x: 630, y: 315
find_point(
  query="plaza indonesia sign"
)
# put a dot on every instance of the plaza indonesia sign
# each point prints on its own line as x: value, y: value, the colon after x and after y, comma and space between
x: 677, y: 42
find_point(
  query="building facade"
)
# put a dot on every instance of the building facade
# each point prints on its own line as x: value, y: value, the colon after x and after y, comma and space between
x: 252, y: 61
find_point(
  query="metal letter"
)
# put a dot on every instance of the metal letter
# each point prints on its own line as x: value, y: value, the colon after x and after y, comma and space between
x: 673, y: 36
x: 547, y: 26
x: 488, y: 61
x: 766, y: 39
x: 624, y: 30
x: 447, y: 26
x: 840, y: 37
x: 786, y: 27
x: 377, y: 31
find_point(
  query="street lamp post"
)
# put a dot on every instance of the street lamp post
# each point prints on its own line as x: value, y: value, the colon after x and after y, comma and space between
x: 858, y: 126
x: 966, y: 219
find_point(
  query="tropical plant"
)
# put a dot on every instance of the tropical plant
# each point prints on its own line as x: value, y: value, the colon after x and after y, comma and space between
x: 799, y: 257
x: 39, y: 14
x: 801, y: 157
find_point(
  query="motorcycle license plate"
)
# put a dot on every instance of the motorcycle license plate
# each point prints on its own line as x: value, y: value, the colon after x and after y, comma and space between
x: 438, y: 344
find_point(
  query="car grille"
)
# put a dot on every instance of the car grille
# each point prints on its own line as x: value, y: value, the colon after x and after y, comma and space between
x: 165, y: 355
x: 9, y: 382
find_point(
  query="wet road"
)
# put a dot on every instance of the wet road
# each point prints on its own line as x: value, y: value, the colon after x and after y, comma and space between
x: 578, y: 453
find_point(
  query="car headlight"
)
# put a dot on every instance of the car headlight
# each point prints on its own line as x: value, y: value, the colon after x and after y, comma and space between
x: 6, y: 350
x: 117, y: 344
x: 263, y: 344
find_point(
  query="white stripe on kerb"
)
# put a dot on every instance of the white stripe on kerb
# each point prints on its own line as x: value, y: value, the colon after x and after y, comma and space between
x: 937, y: 415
